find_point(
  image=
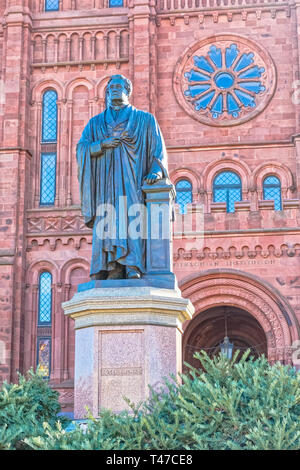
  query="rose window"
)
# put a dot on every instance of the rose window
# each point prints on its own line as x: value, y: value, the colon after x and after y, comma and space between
x: 223, y: 81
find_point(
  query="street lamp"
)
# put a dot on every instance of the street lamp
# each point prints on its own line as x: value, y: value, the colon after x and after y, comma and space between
x: 226, y: 346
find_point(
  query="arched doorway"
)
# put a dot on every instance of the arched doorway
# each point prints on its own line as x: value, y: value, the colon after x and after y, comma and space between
x: 207, y: 331
x: 261, y: 311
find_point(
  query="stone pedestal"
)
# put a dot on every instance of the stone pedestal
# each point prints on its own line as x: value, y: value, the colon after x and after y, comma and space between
x: 127, y: 336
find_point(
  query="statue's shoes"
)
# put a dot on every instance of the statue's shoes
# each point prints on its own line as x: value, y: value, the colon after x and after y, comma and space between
x: 132, y: 273
x: 102, y: 275
x: 115, y: 274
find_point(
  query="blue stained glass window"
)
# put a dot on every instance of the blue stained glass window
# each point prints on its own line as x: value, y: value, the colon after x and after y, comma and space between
x: 45, y: 299
x: 227, y: 187
x: 231, y: 54
x: 48, y: 179
x: 184, y: 194
x: 115, y: 3
x: 49, y: 125
x: 227, y: 83
x: 44, y: 356
x: 272, y: 191
x: 51, y: 5
x: 224, y: 80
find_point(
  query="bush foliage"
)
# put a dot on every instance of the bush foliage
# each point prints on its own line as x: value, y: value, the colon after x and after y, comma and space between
x: 24, y: 407
x: 245, y: 404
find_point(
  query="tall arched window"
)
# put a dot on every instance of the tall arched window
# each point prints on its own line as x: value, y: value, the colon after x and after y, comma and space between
x: 49, y: 126
x: 227, y: 187
x: 48, y: 148
x: 44, y: 322
x: 51, y: 5
x: 272, y: 191
x: 184, y: 194
x: 45, y: 299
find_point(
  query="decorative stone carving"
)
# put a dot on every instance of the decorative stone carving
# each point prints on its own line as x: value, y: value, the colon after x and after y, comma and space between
x: 71, y: 223
x: 234, y: 252
x: 276, y: 319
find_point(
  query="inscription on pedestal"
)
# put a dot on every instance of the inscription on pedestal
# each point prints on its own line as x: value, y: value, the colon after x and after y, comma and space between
x: 122, y: 371
x: 121, y: 368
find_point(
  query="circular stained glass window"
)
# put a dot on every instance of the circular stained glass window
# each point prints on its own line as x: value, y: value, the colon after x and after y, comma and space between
x: 224, y: 80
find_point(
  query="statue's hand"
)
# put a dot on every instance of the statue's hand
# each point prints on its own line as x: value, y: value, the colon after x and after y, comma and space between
x: 110, y: 142
x: 153, y: 177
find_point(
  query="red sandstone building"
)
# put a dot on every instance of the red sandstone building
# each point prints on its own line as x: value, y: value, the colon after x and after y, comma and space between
x: 222, y: 78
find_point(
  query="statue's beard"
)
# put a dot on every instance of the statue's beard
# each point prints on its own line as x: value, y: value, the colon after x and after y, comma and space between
x: 118, y: 103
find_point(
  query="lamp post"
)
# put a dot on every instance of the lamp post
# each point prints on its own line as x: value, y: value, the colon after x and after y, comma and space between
x: 226, y: 346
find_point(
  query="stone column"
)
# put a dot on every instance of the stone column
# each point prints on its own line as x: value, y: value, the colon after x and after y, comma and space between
x: 14, y: 180
x: 126, y: 338
x: 159, y: 199
x: 143, y: 36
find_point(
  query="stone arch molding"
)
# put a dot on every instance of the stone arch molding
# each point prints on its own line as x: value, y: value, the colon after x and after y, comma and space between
x: 72, y: 264
x: 227, y: 164
x: 187, y: 173
x: 76, y: 82
x: 43, y: 85
x: 214, y: 288
x: 280, y: 170
x: 37, y: 267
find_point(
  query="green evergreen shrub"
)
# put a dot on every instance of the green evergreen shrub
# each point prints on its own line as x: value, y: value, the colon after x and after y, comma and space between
x: 24, y: 407
x: 241, y: 405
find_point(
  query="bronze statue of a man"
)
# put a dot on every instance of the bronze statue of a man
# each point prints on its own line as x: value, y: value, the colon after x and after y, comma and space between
x: 119, y: 149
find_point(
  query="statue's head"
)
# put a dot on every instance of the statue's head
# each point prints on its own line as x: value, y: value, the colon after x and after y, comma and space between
x: 119, y: 89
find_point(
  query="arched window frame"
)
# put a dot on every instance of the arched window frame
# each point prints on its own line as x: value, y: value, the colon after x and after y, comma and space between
x: 53, y: 117
x: 227, y: 188
x: 266, y: 185
x: 182, y: 207
x: 284, y: 173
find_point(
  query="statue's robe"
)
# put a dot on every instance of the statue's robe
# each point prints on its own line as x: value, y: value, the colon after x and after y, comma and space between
x: 117, y: 172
